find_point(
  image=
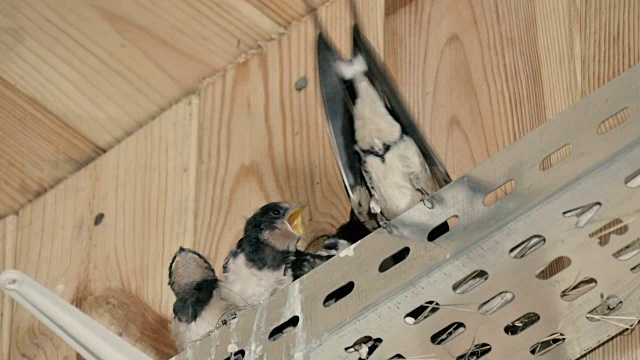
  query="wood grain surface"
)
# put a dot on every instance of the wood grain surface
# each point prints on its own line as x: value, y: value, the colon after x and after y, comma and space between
x: 145, y: 190
x: 477, y: 74
x: 108, y: 67
x: 261, y: 140
x: 7, y: 261
x: 480, y: 74
x: 37, y: 150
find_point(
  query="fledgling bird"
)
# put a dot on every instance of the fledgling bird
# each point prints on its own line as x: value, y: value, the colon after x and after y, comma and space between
x: 201, y: 300
x: 263, y: 260
x: 395, y: 170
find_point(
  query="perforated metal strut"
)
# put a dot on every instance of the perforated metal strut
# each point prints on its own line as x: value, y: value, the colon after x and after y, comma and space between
x: 491, y: 264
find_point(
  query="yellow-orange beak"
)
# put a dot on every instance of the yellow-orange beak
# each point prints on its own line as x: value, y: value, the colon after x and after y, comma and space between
x: 295, y: 220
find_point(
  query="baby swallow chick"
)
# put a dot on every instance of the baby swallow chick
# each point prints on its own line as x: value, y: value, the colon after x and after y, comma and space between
x: 201, y: 302
x: 395, y: 171
x: 263, y: 260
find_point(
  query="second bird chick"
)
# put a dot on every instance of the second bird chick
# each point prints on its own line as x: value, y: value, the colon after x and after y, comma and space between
x: 262, y: 260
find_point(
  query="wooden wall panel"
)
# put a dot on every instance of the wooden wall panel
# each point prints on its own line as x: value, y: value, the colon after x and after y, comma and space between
x: 7, y: 261
x: 37, y: 150
x: 261, y: 140
x: 480, y: 74
x: 145, y: 190
x: 108, y: 67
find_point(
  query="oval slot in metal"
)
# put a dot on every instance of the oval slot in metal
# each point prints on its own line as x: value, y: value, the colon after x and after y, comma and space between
x: 556, y: 157
x: 395, y: 259
x: 527, y: 246
x: 629, y: 251
x: 238, y: 355
x: 448, y: 333
x: 365, y: 346
x: 578, y: 289
x: 633, y: 180
x: 499, y: 193
x: 470, y: 282
x: 338, y: 294
x: 521, y: 324
x: 556, y: 266
x: 443, y: 228
x: 547, y: 344
x: 496, y: 303
x: 284, y: 328
x: 422, y: 312
x: 614, y: 121
x: 477, y: 351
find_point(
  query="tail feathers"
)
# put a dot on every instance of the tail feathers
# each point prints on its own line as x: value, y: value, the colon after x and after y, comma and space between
x: 349, y: 70
x: 131, y: 318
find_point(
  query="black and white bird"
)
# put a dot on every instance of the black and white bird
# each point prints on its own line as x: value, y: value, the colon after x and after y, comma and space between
x: 202, y: 301
x: 396, y: 173
x: 266, y: 258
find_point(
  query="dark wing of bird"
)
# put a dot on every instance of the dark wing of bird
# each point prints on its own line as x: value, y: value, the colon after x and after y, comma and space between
x: 338, y: 108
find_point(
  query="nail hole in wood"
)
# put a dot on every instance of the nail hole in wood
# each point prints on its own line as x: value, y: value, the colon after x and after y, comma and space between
x: 284, y: 328
x: 527, y: 246
x: 301, y: 83
x: 470, y: 282
x: 556, y: 266
x: 238, y: 355
x: 443, y: 228
x: 521, y: 324
x: 614, y: 121
x: 448, y: 333
x: 98, y: 219
x: 547, y: 344
x: 422, y: 312
x: 395, y: 259
x: 629, y: 251
x: 477, y: 351
x: 496, y: 303
x: 339, y: 294
x: 500, y: 192
x: 556, y: 157
x: 633, y: 180
x: 613, y: 227
x: 578, y: 289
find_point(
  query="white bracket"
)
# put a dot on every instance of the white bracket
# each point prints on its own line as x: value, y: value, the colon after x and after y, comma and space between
x: 85, y: 335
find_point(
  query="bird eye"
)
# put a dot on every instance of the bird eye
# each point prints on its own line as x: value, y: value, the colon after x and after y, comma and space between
x: 276, y: 212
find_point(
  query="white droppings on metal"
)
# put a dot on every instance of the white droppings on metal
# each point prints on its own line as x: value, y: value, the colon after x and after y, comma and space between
x: 255, y: 347
x: 232, y: 348
x: 294, y: 307
x: 348, y: 251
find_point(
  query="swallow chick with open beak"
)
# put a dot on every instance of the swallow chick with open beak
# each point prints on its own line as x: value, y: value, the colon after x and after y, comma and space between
x: 201, y: 301
x: 261, y: 263
x: 396, y: 173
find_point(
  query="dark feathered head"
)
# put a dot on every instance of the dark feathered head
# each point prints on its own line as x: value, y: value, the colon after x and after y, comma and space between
x: 193, y: 281
x: 279, y: 224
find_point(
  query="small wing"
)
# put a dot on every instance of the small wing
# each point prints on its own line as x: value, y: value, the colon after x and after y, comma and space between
x: 339, y: 115
x: 379, y: 77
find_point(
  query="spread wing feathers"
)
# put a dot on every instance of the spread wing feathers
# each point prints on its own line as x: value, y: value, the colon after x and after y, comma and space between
x: 374, y: 100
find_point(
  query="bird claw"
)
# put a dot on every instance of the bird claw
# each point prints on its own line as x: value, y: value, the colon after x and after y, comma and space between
x: 427, y: 201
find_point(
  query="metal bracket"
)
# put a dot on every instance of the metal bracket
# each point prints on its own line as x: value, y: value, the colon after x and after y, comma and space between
x: 494, y: 260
